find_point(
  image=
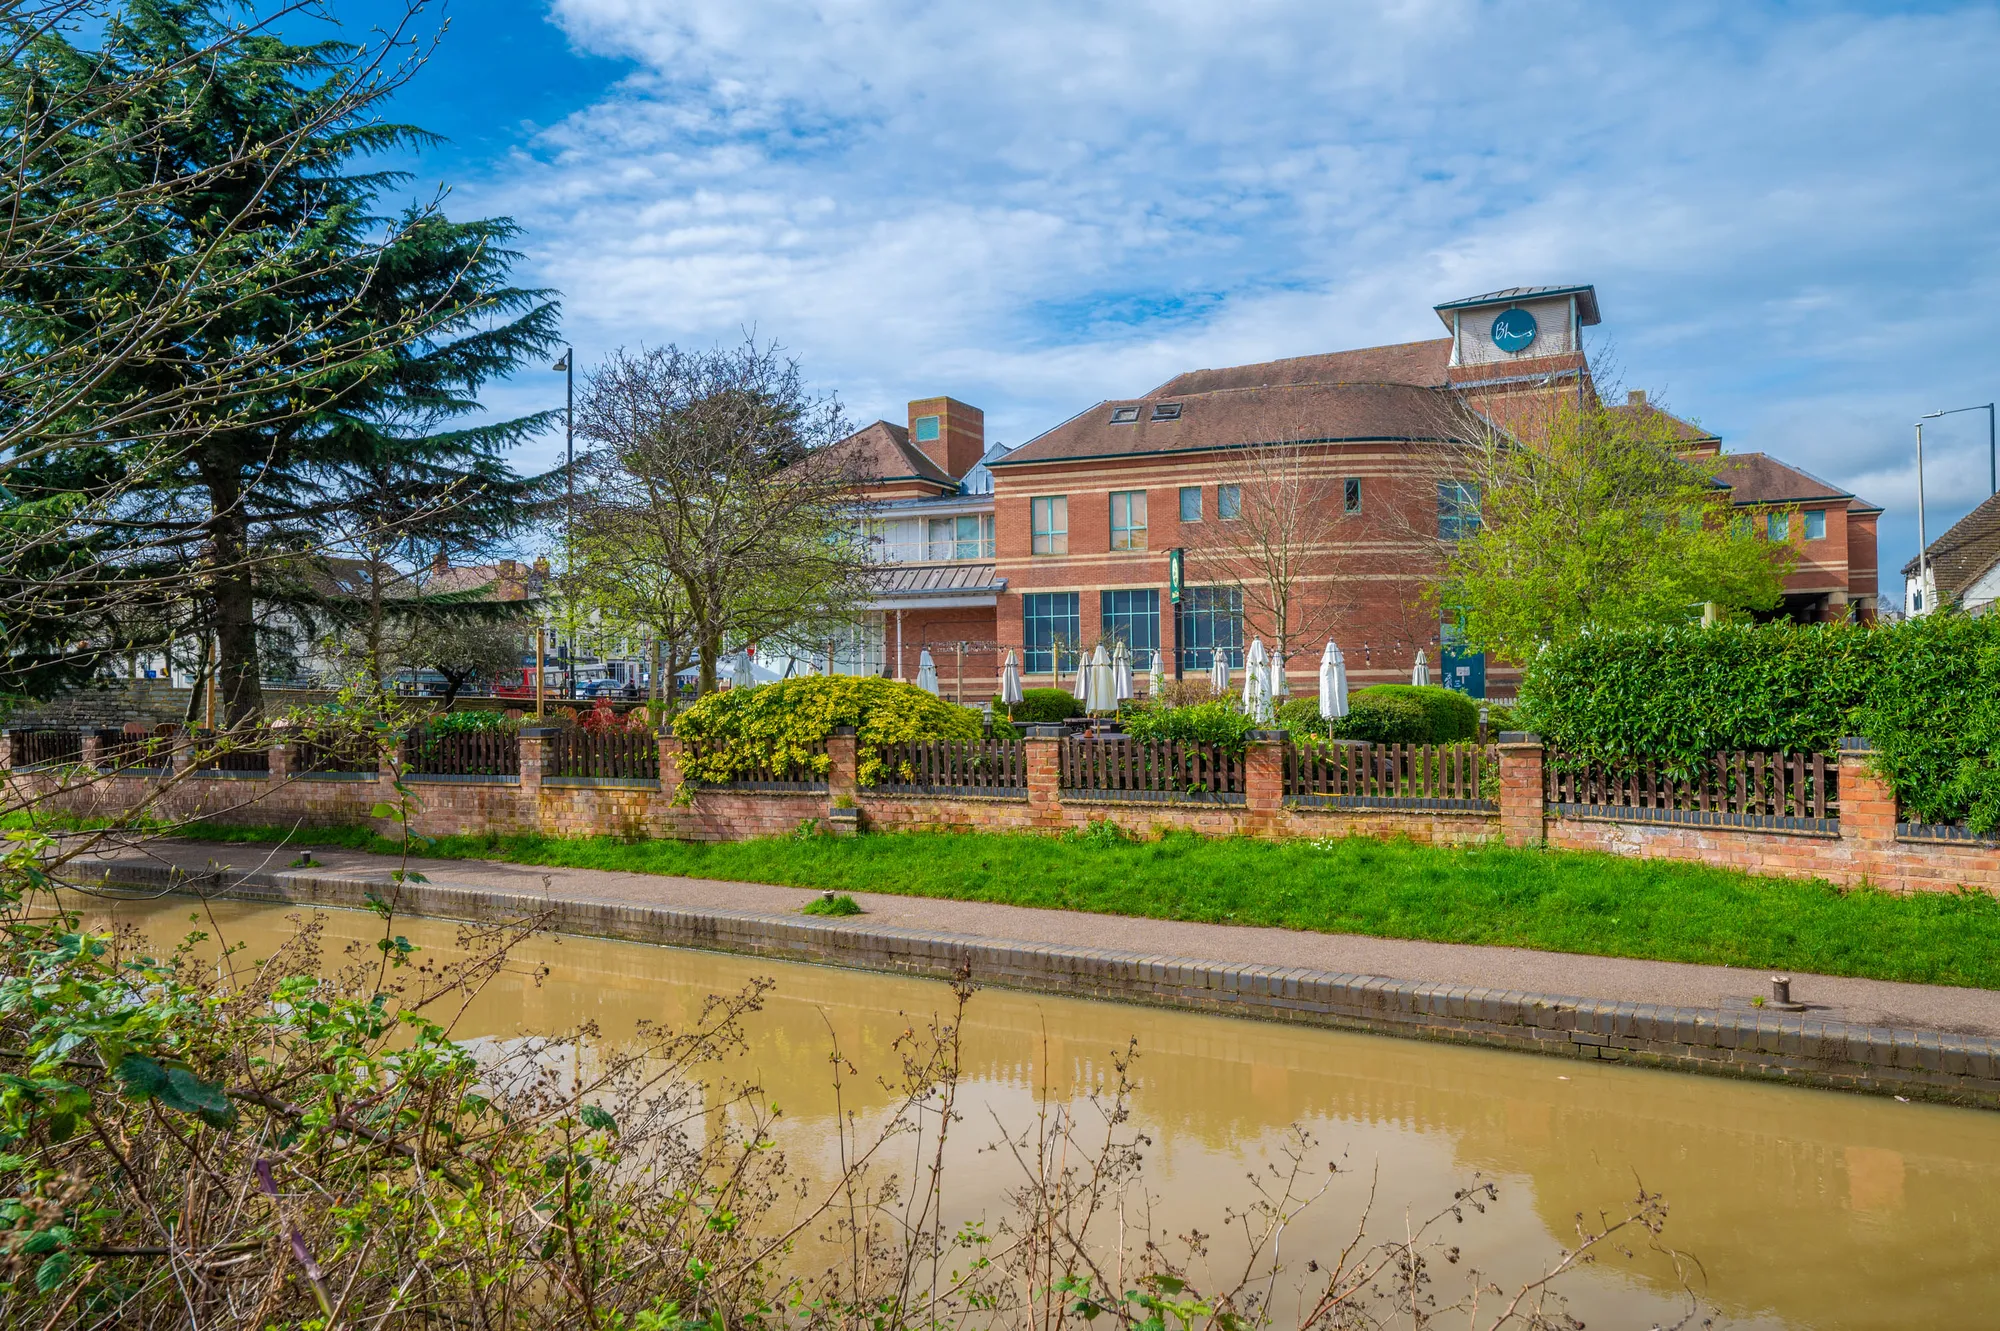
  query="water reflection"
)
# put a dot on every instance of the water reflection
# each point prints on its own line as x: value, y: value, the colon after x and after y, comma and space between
x: 1806, y: 1209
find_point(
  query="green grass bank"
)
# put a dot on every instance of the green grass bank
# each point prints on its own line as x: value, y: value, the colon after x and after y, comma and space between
x: 1554, y: 901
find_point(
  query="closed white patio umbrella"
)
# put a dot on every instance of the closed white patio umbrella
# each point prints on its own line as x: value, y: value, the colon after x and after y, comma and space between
x: 1281, y: 683
x: 1332, y: 683
x: 1218, y: 674
x: 1257, y: 681
x: 742, y: 675
x: 1420, y: 673
x: 1101, y: 683
x: 1152, y: 673
x: 927, y: 672
x: 1010, y: 681
x: 1121, y: 674
x: 1081, y: 689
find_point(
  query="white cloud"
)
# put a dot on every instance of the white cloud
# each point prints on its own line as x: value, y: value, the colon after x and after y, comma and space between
x: 1038, y: 204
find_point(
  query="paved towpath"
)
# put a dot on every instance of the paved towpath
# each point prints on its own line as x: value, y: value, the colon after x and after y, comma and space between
x: 1873, y: 1002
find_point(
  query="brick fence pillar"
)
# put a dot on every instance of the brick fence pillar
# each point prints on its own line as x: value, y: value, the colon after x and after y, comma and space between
x: 6, y: 750
x: 1264, y: 781
x: 843, y: 763
x: 92, y: 747
x: 534, y: 757
x: 1044, y: 749
x: 1523, y: 816
x: 388, y: 766
x: 670, y: 761
x: 283, y: 754
x: 180, y: 750
x: 1868, y: 815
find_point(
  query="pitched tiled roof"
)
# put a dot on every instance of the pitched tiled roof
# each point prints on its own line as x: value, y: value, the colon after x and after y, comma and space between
x: 932, y: 579
x: 884, y: 452
x: 1684, y: 430
x: 1420, y: 363
x: 1962, y: 555
x: 1242, y: 416
x: 1758, y: 478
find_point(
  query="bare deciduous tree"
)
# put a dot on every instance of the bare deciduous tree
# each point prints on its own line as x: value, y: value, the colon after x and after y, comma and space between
x: 715, y: 470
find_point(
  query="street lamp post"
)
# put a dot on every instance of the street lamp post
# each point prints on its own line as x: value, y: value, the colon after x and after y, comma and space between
x: 1923, y: 542
x: 567, y: 368
x: 1992, y: 443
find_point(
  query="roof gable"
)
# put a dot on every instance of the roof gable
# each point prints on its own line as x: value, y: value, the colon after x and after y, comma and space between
x: 1423, y: 364
x: 1966, y: 552
x: 883, y: 452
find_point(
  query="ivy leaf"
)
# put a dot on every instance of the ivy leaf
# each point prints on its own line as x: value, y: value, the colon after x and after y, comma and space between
x: 176, y: 1088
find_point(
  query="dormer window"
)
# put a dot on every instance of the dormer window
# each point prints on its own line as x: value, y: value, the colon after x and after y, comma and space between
x: 1166, y: 411
x: 1124, y: 415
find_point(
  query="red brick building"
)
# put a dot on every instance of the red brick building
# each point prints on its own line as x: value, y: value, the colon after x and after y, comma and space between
x: 1076, y: 536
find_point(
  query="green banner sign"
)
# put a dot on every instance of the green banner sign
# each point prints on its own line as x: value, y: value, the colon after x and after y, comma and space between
x: 1175, y: 574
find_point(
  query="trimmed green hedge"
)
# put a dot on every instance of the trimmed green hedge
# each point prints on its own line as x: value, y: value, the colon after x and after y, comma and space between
x: 1925, y: 692
x: 1201, y: 723
x: 1450, y: 715
x: 1390, y: 714
x: 787, y: 723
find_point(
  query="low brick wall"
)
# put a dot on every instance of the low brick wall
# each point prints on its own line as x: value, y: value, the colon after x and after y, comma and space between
x: 1770, y: 1046
x: 1865, y: 845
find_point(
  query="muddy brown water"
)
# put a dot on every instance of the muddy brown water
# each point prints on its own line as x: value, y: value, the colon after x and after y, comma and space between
x: 1803, y: 1208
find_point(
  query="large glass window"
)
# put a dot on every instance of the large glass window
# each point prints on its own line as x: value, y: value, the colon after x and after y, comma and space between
x: 1209, y: 620
x: 1815, y: 524
x: 1190, y: 503
x: 1128, y: 519
x: 1229, y: 502
x: 1048, y: 520
x: 1133, y: 618
x: 1779, y: 526
x: 968, y: 537
x: 1458, y: 510
x: 1050, y: 629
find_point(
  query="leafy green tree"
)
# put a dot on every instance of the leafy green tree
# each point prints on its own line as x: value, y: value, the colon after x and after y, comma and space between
x: 1598, y: 519
x: 372, y: 336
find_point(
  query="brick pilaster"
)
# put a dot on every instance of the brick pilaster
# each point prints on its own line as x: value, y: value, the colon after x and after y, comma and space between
x: 1264, y: 781
x: 1043, y: 746
x: 670, y: 760
x: 1523, y: 815
x: 843, y: 763
x: 91, y: 747
x: 1868, y: 814
x: 282, y: 758
x: 534, y: 757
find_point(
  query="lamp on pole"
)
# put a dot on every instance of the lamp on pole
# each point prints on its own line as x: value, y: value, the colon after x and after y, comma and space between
x: 567, y: 368
x: 1992, y: 443
x: 1924, y: 599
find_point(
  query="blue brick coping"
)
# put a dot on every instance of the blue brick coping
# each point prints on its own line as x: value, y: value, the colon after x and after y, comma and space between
x: 1749, y: 822
x: 1799, y: 1048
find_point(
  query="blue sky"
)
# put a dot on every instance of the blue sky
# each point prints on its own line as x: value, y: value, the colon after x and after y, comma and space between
x: 1789, y: 211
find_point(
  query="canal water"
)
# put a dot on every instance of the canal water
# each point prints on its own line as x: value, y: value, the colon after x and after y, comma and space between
x: 1802, y: 1208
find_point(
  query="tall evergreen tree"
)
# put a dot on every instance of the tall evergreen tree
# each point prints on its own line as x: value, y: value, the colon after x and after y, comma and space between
x: 372, y: 334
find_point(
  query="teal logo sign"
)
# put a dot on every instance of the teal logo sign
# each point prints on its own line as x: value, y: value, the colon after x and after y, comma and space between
x: 1514, y: 330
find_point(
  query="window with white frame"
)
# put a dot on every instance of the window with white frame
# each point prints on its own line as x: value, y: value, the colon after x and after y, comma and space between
x: 1128, y: 519
x: 1048, y: 524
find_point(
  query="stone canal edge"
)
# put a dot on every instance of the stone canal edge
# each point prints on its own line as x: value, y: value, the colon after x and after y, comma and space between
x: 1799, y: 1049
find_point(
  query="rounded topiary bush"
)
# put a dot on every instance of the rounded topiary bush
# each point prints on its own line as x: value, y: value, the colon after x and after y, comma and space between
x: 1044, y: 707
x: 1385, y: 718
x: 785, y: 725
x: 1450, y: 715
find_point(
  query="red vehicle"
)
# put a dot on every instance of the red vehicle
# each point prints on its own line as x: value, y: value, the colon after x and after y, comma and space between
x: 521, y: 684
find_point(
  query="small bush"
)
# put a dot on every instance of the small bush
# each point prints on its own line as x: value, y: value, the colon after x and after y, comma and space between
x: 1385, y: 719
x: 1450, y: 714
x: 1203, y: 723
x: 1301, y: 715
x: 1043, y: 707
x: 786, y: 724
x: 832, y: 903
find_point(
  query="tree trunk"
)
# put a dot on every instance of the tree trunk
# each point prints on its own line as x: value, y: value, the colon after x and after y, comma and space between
x: 711, y: 655
x: 233, y: 597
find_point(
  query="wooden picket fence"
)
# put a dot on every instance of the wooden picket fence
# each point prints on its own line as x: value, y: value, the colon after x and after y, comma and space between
x: 463, y: 753
x: 605, y: 755
x: 47, y: 748
x: 1459, y: 773
x: 332, y: 751
x: 218, y: 753
x: 118, y: 751
x: 1745, y: 783
x: 1121, y: 767
x: 923, y: 766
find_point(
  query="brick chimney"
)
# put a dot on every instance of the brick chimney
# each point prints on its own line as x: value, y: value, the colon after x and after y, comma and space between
x: 949, y: 433
x: 1635, y: 397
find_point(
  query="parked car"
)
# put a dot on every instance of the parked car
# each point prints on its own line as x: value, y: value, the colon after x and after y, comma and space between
x: 607, y: 688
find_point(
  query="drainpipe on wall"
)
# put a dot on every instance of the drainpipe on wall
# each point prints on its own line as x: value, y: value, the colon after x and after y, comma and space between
x: 899, y: 644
